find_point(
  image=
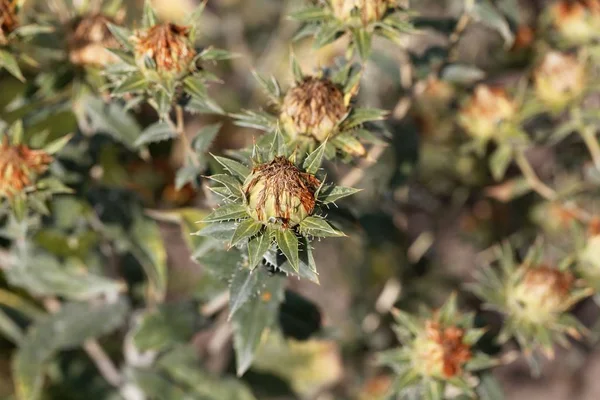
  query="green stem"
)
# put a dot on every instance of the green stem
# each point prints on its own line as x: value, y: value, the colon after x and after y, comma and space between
x: 534, y: 181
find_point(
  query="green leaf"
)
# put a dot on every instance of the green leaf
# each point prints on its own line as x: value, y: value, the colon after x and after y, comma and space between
x: 315, y: 159
x: 232, y: 185
x: 10, y: 329
x: 113, y: 120
x: 271, y: 87
x: 69, y: 328
x: 157, y: 132
x: 57, y: 145
x: 149, y: 249
x: 462, y: 74
x: 318, y: 227
x: 43, y: 275
x: 205, y: 136
x: 500, y: 160
x: 359, y: 116
x: 227, y: 212
x: 204, y: 105
x: 212, y: 54
x: 149, y: 16
x: 330, y: 194
x: 327, y: 34
x: 349, y: 144
x: 245, y: 284
x: 362, y: 41
x: 9, y: 62
x: 288, y: 244
x: 255, y: 119
x: 166, y: 325
x: 487, y: 14
x: 135, y: 82
x: 297, y: 71
x: 222, y: 231
x: 257, y: 247
x: 251, y: 320
x: 186, y: 174
x: 245, y: 230
x: 310, y: 14
x: 195, y: 86
x: 122, y: 35
x: 237, y: 169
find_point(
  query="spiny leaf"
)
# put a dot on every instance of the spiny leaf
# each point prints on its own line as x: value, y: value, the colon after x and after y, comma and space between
x: 9, y: 62
x: 349, y: 144
x: 227, y: 212
x: 362, y: 41
x: 245, y: 284
x: 297, y: 71
x: 318, y: 227
x: 205, y: 136
x: 331, y: 194
x: 310, y: 14
x: 257, y: 247
x: 149, y: 16
x: 359, y: 116
x: 156, y: 132
x: 229, y: 182
x: 314, y: 159
x: 245, y: 230
x: 237, y: 169
x: 219, y: 231
x: 288, y: 244
x: 122, y: 35
x: 133, y: 83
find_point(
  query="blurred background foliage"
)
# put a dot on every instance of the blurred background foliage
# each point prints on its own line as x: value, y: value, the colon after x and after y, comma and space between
x: 105, y: 293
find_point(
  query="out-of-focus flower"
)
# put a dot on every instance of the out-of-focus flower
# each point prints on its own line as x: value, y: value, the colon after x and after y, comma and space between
x: 89, y: 39
x: 368, y: 10
x: 19, y: 166
x: 165, y: 48
x: 432, y: 108
x: 486, y: 111
x: 523, y: 39
x: 577, y: 21
x: 8, y: 19
x: 279, y: 193
x: 437, y: 349
x: 559, y: 79
x: 314, y: 107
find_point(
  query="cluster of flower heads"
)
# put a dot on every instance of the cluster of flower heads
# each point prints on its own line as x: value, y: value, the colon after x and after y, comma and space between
x: 438, y: 352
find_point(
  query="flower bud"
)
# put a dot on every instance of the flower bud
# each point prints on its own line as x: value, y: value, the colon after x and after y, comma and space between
x: 577, y: 21
x: 19, y: 165
x: 487, y: 109
x: 8, y: 19
x: 314, y: 108
x: 440, y: 352
x: 368, y: 10
x: 88, y: 40
x: 541, y: 294
x: 166, y: 48
x: 559, y: 79
x: 278, y: 193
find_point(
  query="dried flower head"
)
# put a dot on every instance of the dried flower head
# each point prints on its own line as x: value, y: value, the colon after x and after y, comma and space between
x: 314, y: 108
x: 541, y: 294
x: 165, y: 47
x: 441, y: 351
x: 559, y: 79
x: 488, y: 108
x: 577, y: 21
x: 8, y: 19
x: 279, y: 193
x: 19, y: 165
x: 88, y: 40
x: 368, y: 10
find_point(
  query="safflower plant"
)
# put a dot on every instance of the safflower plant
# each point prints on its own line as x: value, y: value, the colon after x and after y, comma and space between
x: 358, y: 199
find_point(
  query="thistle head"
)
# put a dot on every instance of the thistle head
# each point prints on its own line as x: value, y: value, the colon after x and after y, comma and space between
x: 89, y: 39
x: 559, y: 79
x: 368, y: 11
x: 576, y: 21
x: 19, y: 166
x: 278, y: 193
x: 484, y: 113
x: 165, y: 48
x: 541, y: 294
x: 8, y: 19
x: 313, y: 108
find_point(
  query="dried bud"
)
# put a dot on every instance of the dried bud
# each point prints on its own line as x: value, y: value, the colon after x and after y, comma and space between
x: 368, y: 10
x: 487, y: 109
x: 167, y: 48
x: 18, y: 167
x: 559, y: 79
x: 440, y: 352
x: 88, y: 40
x: 8, y: 19
x: 313, y: 108
x: 577, y: 21
x: 541, y: 294
x: 279, y: 193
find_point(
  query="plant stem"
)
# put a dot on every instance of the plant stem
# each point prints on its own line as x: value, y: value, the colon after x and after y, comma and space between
x: 534, y: 181
x: 588, y: 135
x: 180, y: 130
